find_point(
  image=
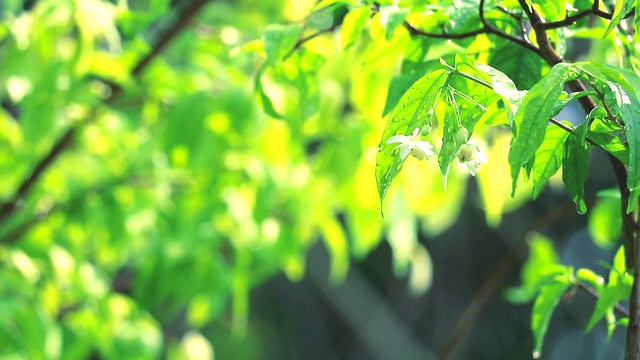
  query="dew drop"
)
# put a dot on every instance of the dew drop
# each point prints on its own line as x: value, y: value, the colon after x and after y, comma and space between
x: 394, y: 119
x: 536, y: 355
x: 421, y: 91
x: 409, y: 97
x: 464, y: 106
x: 404, y: 105
x: 378, y: 164
x: 428, y: 77
x: 399, y: 167
x: 413, y: 87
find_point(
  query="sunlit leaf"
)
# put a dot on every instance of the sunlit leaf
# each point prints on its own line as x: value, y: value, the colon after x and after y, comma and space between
x: 548, y: 157
x: 543, y: 308
x: 605, y: 222
x: 353, y: 24
x: 622, y: 8
x: 412, y: 112
x: 627, y: 106
x: 617, y: 289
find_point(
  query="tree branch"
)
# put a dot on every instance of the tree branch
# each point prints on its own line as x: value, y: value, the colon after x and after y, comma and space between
x: 486, y: 29
x: 67, y: 139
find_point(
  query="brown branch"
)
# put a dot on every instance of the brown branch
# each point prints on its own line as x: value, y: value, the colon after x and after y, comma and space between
x: 66, y: 140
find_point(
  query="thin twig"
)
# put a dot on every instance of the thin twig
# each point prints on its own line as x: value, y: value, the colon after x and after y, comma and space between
x: 622, y: 311
x: 67, y: 139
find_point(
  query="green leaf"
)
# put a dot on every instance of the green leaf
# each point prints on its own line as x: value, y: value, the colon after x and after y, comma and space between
x: 397, y: 87
x: 262, y: 97
x: 623, y: 7
x: 575, y: 165
x: 548, y: 157
x: 279, y: 40
x: 627, y: 107
x: 538, y: 106
x: 391, y: 17
x: 543, y: 308
x: 605, y: 222
x: 505, y: 87
x: 411, y: 112
x: 608, y: 136
x: 542, y: 265
x: 353, y: 24
x: 524, y: 68
x: 618, y: 75
x: 618, y: 288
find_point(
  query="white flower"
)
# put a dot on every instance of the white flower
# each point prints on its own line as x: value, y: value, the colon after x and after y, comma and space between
x: 472, y: 157
x: 412, y: 145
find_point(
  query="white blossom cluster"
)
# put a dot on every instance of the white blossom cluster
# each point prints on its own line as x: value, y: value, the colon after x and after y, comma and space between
x: 469, y: 154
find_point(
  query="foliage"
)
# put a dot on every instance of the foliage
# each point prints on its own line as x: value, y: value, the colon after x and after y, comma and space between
x: 155, y: 176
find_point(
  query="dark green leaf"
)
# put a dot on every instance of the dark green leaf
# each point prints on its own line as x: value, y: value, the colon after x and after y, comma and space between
x: 524, y: 68
x: 575, y: 166
x: 548, y: 157
x: 411, y: 112
x: 608, y: 136
x: 397, y: 87
x: 538, y: 106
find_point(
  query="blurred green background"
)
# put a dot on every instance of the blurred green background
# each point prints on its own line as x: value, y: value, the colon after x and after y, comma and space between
x: 183, y: 222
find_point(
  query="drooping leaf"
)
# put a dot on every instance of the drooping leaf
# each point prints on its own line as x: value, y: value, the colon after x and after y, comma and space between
x: 548, y: 157
x: 353, y: 24
x: 411, y: 112
x: 623, y: 7
x: 627, y: 107
x: 575, y: 165
x: 538, y: 106
x: 546, y: 302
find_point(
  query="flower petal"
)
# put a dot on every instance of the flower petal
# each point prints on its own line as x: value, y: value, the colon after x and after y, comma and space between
x: 403, y: 139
